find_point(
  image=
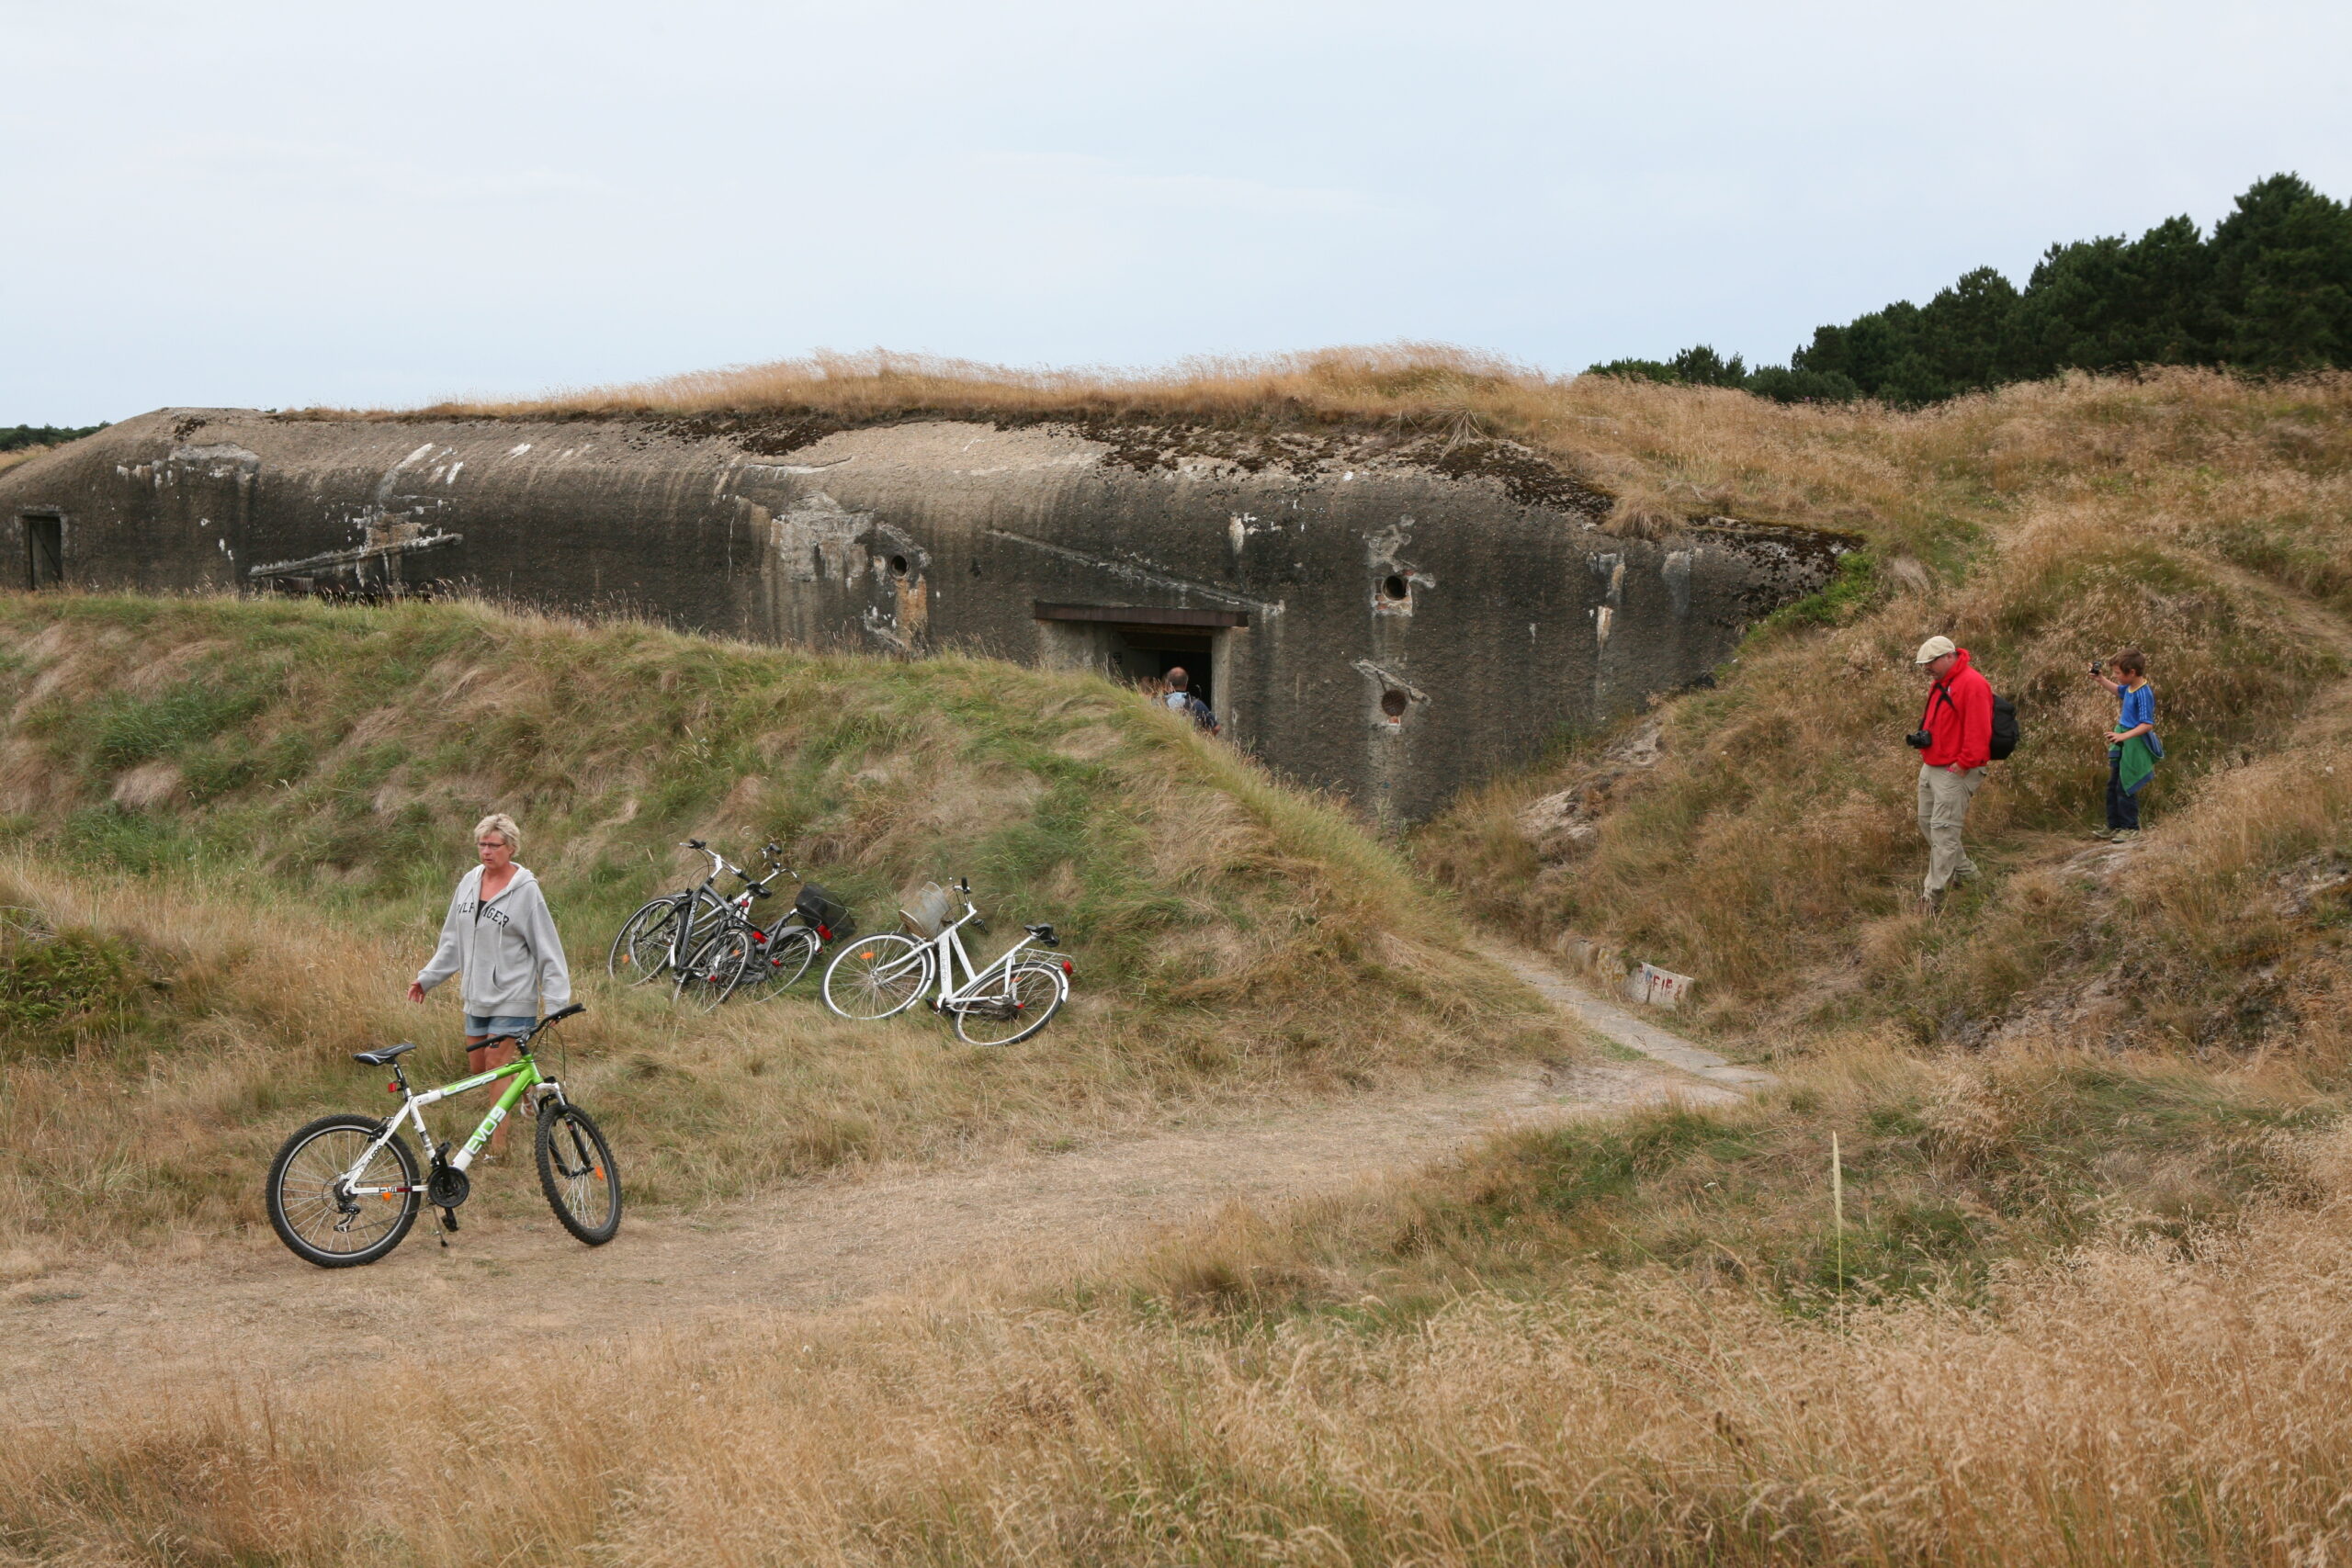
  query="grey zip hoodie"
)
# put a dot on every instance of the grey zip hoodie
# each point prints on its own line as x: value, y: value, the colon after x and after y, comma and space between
x: 510, y: 955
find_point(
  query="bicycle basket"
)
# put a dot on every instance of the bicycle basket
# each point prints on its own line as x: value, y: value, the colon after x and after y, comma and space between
x: 927, y: 910
x: 821, y: 909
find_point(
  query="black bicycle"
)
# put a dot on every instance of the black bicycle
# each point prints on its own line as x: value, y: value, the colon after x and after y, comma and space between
x: 665, y: 932
x: 744, y: 958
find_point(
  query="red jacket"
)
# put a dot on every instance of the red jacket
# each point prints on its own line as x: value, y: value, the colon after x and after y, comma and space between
x: 1960, y: 716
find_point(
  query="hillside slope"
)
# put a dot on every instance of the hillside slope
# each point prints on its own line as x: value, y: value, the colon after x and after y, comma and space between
x: 1760, y: 835
x: 242, y: 820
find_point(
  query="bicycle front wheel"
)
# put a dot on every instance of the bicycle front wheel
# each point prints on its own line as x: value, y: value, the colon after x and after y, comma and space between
x: 642, y: 949
x: 576, y: 1172
x: 317, y: 1218
x: 716, y: 969
x: 878, y: 976
x: 1012, y: 1009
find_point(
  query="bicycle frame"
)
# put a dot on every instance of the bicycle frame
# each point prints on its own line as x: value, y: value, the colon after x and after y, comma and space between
x: 692, y: 933
x: 689, y: 926
x: 523, y: 1070
x: 949, y: 947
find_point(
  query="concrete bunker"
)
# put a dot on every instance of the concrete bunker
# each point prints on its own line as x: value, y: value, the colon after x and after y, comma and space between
x: 1385, y: 615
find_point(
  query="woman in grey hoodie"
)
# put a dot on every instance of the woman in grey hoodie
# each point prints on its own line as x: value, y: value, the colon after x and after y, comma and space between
x: 499, y: 931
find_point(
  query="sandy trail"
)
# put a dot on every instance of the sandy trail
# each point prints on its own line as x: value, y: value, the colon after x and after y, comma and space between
x: 244, y: 1310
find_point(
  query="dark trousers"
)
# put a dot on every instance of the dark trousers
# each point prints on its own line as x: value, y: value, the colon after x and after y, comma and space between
x: 2122, y: 805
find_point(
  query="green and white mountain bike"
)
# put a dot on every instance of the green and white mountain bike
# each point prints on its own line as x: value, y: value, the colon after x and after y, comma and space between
x: 346, y: 1189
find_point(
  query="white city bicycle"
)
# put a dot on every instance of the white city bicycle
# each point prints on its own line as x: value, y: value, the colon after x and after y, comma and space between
x: 876, y: 977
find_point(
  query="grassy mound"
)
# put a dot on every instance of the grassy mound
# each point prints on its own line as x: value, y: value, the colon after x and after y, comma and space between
x: 253, y: 814
x: 1761, y: 836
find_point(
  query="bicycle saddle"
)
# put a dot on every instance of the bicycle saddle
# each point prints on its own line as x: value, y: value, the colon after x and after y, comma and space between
x: 1044, y: 933
x: 383, y: 1054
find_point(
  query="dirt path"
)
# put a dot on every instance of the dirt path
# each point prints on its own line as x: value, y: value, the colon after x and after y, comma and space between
x: 243, y: 1311
x: 1614, y: 1021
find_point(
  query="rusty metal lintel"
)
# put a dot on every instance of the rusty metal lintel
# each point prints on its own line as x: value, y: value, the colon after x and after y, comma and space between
x: 1141, y: 615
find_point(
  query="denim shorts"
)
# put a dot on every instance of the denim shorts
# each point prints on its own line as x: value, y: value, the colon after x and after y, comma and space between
x: 510, y: 1027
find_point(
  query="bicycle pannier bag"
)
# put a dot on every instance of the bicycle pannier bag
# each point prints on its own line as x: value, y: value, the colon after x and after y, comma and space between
x: 828, y: 914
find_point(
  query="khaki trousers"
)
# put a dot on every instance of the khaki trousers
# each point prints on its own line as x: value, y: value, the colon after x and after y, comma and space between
x: 1943, y: 810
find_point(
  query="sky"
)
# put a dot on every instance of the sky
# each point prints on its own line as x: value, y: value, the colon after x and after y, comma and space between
x: 256, y: 204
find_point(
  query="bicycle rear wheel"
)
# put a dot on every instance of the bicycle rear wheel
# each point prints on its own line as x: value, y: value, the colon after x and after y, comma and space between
x: 878, y: 976
x: 577, y: 1173
x: 319, y: 1224
x: 785, y: 958
x: 1013, y: 1010
x: 642, y: 949
x: 711, y: 976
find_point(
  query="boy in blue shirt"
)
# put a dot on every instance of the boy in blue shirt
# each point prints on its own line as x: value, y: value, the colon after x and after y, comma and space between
x: 2132, y: 748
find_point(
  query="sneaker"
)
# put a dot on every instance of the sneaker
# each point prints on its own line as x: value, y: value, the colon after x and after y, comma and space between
x: 2103, y: 834
x: 1927, y: 903
x: 1966, y: 874
x: 2125, y: 835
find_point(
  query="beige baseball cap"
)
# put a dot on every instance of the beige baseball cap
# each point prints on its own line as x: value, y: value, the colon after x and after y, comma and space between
x: 1935, y: 647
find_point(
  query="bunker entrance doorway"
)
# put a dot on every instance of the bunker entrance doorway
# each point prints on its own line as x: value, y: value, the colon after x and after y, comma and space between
x: 44, y: 551
x: 1143, y: 643
x: 1148, y: 653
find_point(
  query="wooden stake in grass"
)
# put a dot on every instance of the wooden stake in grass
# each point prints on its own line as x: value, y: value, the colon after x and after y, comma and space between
x: 1838, y: 1207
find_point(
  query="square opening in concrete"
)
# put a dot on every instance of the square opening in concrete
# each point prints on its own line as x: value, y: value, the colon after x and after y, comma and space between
x: 1140, y: 643
x: 1148, y: 653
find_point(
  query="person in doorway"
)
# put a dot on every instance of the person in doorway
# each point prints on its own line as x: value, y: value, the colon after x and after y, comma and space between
x: 1955, y: 742
x: 2133, y: 749
x: 1180, y: 699
x: 500, y: 932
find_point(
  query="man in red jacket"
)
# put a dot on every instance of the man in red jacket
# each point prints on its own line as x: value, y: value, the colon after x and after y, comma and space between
x: 1959, y: 723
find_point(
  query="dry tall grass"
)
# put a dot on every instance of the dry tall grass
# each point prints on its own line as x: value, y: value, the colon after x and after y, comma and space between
x: 2124, y: 1408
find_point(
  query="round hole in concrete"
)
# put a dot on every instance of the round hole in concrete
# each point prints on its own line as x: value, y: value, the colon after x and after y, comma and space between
x: 1393, y: 586
x: 1392, y: 703
x: 898, y: 565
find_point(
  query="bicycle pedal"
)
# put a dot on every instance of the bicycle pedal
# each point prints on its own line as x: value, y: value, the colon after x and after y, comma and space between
x: 448, y: 1222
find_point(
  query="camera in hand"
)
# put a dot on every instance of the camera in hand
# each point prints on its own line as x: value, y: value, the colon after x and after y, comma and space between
x: 1919, y: 741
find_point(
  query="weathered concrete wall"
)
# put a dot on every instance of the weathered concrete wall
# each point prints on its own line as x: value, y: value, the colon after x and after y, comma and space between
x: 1408, y: 630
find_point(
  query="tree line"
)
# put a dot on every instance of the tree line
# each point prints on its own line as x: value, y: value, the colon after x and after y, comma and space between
x: 2268, y: 291
x: 15, y: 437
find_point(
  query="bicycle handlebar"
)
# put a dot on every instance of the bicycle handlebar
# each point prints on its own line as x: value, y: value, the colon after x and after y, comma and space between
x: 556, y: 1017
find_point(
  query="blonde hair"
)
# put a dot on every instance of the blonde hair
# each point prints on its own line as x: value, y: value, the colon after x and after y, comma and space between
x: 498, y: 822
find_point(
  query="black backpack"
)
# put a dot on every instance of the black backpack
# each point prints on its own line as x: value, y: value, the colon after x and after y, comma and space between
x: 2005, y: 727
x: 2006, y: 734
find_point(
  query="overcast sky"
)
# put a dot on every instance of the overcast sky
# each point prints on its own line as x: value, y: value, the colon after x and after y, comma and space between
x: 274, y: 205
